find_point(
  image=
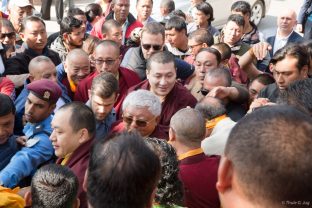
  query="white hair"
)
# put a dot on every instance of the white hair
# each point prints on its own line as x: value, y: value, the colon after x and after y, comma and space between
x: 143, y: 98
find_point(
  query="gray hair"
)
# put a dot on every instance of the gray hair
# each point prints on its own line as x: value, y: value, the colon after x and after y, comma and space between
x: 210, y: 107
x: 143, y: 98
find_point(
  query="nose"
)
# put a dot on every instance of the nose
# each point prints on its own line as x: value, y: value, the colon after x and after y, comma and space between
x: 52, y: 136
x: 101, y: 109
x: 162, y: 81
x: 280, y: 79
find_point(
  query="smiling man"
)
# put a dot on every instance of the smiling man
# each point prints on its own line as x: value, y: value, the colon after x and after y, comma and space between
x: 161, y: 76
x: 34, y: 35
x: 40, y: 103
x: 141, y: 112
x: 73, y: 131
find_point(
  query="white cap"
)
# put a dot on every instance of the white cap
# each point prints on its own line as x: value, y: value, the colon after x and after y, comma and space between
x: 19, y: 3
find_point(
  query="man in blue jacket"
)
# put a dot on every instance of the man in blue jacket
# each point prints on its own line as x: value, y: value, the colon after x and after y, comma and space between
x: 38, y: 149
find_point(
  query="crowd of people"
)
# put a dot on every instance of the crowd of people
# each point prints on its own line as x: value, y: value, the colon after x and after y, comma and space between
x: 120, y: 111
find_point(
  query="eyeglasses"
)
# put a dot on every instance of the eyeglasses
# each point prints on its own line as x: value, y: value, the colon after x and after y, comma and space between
x: 140, y: 123
x: 191, y: 47
x: 149, y: 46
x: 204, y: 92
x: 108, y: 62
x: 9, y: 35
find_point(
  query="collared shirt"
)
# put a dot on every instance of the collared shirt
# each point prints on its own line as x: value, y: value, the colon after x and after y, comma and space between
x: 280, y: 42
x: 103, y: 127
x: 124, y: 29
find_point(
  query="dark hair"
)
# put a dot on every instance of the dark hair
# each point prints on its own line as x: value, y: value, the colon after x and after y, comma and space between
x: 123, y: 172
x: 241, y: 6
x: 109, y: 24
x: 238, y: 19
x: 104, y: 85
x: 153, y: 28
x: 297, y: 51
x: 169, y: 189
x: 169, y: 4
x: 265, y: 153
x: 81, y: 117
x: 177, y: 23
x: 68, y: 24
x: 212, y: 51
x: 7, y: 23
x: 207, y: 9
x: 162, y: 57
x: 264, y: 79
x: 54, y: 186
x: 6, y: 105
x: 75, y: 11
x: 31, y: 19
x: 298, y: 94
x: 178, y: 13
x: 221, y: 72
x: 210, y: 107
x: 224, y: 49
x: 92, y: 11
x: 201, y: 35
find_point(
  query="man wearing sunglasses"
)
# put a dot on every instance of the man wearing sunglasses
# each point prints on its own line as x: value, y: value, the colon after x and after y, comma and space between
x: 152, y: 41
x: 107, y: 59
x: 141, y: 112
x: 161, y: 75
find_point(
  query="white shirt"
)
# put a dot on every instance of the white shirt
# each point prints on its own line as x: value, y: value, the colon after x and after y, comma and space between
x: 280, y: 42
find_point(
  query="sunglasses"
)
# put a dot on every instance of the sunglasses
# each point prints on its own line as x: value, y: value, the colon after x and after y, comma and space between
x: 140, y: 123
x: 149, y: 46
x: 9, y: 35
x: 204, y: 92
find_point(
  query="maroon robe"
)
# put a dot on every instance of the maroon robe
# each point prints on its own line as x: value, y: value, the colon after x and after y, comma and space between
x: 78, y: 163
x: 199, y: 174
x: 179, y: 97
x: 159, y: 132
x: 127, y: 79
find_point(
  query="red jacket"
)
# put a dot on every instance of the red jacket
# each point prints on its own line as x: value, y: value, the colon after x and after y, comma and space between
x: 199, y: 174
x: 7, y: 87
x: 78, y: 163
x: 127, y: 79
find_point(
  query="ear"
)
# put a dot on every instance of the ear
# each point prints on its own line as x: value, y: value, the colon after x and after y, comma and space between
x: 147, y: 73
x: 104, y: 35
x: 225, y: 175
x: 172, y: 135
x: 84, y: 136
x: 22, y: 35
x: 28, y: 199
x: 204, y: 45
x: 65, y: 36
x: 52, y: 107
x: 304, y: 71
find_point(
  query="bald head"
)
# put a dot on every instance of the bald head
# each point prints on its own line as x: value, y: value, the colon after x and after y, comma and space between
x: 286, y: 21
x: 41, y: 67
x: 77, y: 65
x: 188, y: 126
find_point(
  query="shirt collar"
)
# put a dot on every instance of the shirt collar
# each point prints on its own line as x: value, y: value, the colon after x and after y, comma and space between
x: 190, y: 153
x: 283, y: 38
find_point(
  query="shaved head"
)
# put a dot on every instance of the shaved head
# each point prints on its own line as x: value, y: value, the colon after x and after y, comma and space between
x: 189, y: 126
